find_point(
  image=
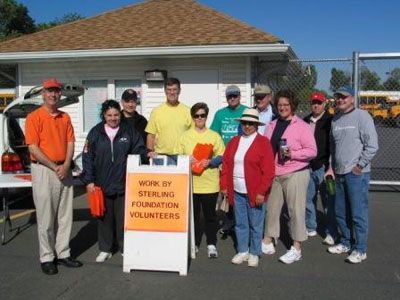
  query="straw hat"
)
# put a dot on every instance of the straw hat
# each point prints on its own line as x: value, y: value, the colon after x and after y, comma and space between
x: 250, y: 115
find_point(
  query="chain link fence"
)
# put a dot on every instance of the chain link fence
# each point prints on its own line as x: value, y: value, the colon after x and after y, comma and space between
x: 377, y: 80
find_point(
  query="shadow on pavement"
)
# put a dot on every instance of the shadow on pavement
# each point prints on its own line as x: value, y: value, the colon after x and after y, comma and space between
x: 13, y: 231
x: 86, y: 236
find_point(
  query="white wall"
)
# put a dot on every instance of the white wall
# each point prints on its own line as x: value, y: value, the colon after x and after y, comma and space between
x: 235, y: 70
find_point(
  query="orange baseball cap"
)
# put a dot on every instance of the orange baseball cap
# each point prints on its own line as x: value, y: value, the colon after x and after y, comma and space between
x: 51, y: 83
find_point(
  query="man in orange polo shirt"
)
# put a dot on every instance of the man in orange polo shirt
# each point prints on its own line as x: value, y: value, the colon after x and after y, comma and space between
x: 50, y: 137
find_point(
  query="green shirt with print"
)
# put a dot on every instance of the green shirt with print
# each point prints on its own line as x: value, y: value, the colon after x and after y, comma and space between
x: 224, y: 122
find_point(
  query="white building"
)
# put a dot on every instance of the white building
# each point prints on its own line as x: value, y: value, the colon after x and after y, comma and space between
x: 205, y: 49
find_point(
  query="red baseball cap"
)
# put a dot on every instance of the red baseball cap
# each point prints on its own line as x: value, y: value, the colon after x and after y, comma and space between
x: 51, y: 83
x: 318, y: 96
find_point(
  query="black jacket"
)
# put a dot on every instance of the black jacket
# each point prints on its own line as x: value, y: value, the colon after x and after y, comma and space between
x: 104, y: 163
x: 139, y: 123
x: 321, y: 134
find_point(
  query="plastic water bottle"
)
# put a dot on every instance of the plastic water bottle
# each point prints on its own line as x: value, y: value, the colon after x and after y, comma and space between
x: 283, y: 148
x: 330, y: 185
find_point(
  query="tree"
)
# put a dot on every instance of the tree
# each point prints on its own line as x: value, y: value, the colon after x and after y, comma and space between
x: 393, y: 81
x: 299, y: 78
x: 14, y: 19
x: 67, y: 18
x: 369, y: 80
x: 306, y: 83
x: 339, y: 78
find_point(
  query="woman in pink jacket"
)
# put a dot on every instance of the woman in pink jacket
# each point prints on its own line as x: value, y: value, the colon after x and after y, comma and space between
x: 293, y: 145
x: 247, y: 173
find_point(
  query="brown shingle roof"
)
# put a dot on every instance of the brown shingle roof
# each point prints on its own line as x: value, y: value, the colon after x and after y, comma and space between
x: 153, y: 23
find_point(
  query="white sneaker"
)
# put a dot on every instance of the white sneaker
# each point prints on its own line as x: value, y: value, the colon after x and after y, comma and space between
x: 103, y: 256
x: 253, y: 261
x: 338, y: 249
x: 356, y: 257
x: 212, y: 251
x: 311, y: 233
x: 328, y: 240
x: 240, y: 257
x: 268, y: 249
x: 291, y: 256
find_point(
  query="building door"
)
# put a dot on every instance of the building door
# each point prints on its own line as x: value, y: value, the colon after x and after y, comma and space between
x: 199, y: 86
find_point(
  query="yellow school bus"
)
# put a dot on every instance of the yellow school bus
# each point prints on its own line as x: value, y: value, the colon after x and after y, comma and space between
x: 331, y: 106
x: 5, y: 99
x: 382, y: 105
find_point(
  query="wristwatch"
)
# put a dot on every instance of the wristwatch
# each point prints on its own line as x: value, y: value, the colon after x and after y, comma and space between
x: 359, y: 166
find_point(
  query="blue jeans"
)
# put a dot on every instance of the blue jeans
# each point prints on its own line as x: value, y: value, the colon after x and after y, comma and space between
x: 249, y: 224
x: 352, y: 209
x: 328, y: 203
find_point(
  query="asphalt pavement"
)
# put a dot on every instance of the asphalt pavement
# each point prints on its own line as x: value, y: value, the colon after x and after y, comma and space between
x: 319, y: 275
x: 386, y: 163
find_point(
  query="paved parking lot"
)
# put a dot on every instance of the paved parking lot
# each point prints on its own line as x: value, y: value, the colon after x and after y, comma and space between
x: 319, y: 275
x: 386, y: 163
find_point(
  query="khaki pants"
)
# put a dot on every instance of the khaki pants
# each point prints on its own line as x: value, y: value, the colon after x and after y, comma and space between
x: 292, y: 189
x: 53, y: 201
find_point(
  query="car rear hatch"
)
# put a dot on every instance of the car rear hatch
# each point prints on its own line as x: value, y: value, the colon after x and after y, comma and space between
x: 13, y: 135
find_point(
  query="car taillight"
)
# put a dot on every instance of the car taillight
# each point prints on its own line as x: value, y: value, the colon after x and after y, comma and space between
x: 11, y: 162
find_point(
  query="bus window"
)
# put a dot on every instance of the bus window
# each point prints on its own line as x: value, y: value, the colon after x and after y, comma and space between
x: 5, y: 99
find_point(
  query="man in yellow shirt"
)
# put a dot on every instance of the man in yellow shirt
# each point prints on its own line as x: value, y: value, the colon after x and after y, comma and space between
x: 167, y: 121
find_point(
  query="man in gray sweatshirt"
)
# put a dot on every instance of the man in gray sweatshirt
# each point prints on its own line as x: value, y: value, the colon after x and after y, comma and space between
x: 354, y: 142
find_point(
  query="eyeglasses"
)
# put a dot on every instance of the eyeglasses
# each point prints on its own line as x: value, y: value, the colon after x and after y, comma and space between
x: 283, y: 105
x: 247, y: 123
x: 232, y: 97
x: 316, y: 102
x: 259, y: 97
x: 198, y: 116
x: 340, y: 97
x: 52, y: 90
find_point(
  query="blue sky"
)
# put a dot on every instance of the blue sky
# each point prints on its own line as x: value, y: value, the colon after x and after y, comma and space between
x: 314, y: 28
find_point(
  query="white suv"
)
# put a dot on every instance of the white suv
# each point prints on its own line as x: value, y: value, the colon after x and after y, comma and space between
x: 15, y: 154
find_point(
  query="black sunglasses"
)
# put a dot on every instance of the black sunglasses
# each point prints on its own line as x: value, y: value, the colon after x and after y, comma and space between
x: 233, y: 96
x: 259, y: 97
x: 340, y: 97
x: 317, y: 102
x: 247, y: 123
x: 198, y: 116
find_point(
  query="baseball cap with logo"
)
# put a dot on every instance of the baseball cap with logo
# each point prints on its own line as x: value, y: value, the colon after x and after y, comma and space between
x: 262, y: 90
x: 318, y: 96
x: 232, y: 90
x: 51, y: 83
x: 345, y: 91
